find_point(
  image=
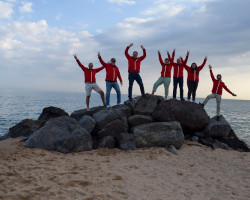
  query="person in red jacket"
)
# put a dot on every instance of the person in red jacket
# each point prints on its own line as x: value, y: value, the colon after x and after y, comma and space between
x: 90, y: 81
x: 218, y: 85
x: 165, y: 75
x: 112, y: 72
x: 134, y: 64
x: 193, y: 78
x: 178, y: 74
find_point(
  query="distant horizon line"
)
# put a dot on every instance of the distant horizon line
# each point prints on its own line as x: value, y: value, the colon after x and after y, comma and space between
x: 135, y: 95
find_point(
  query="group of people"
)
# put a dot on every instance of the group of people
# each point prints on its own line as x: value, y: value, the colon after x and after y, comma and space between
x: 134, y: 64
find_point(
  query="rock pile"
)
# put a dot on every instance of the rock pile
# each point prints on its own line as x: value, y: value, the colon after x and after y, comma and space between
x: 143, y: 122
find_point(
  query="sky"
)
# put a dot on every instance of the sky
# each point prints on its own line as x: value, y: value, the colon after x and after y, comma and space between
x: 38, y: 40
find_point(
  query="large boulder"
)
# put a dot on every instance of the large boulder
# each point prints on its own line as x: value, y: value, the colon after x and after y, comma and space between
x: 62, y: 134
x: 24, y: 128
x: 236, y: 144
x: 147, y: 104
x: 132, y: 103
x: 135, y: 120
x: 158, y: 134
x: 217, y: 129
x: 107, y: 115
x: 88, y: 123
x: 126, y: 110
x: 107, y: 142
x: 52, y: 112
x: 78, y: 114
x: 126, y: 141
x: 112, y: 128
x: 191, y: 116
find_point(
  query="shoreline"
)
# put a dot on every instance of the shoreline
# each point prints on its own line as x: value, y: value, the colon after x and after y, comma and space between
x: 196, y: 172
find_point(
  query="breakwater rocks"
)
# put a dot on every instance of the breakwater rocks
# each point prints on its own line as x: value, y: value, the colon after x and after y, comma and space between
x: 146, y: 121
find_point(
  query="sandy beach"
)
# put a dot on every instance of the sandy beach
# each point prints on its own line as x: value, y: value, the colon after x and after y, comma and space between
x: 197, y: 172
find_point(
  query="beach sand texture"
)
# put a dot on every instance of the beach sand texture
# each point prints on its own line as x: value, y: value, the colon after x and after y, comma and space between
x: 196, y: 173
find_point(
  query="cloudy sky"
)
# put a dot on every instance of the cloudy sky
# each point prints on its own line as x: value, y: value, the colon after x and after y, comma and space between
x: 38, y: 40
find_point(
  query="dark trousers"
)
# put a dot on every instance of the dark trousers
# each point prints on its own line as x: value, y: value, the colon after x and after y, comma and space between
x: 177, y: 81
x: 192, y: 87
x: 137, y: 78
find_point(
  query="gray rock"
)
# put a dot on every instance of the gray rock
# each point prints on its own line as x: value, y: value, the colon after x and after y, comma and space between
x: 126, y: 110
x: 105, y: 116
x: 236, y: 144
x: 78, y: 114
x: 112, y: 128
x: 191, y: 116
x: 24, y: 128
x: 62, y: 134
x: 4, y: 137
x: 218, y: 144
x: 107, y: 142
x: 158, y: 134
x: 171, y: 149
x: 218, y: 129
x: 147, y: 104
x: 132, y: 103
x: 195, y: 139
x: 88, y: 123
x: 126, y: 141
x: 52, y: 112
x: 136, y: 120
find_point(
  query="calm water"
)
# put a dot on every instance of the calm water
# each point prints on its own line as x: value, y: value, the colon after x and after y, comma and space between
x: 18, y: 105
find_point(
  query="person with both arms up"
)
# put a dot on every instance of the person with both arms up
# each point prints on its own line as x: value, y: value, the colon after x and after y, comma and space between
x: 112, y: 72
x: 90, y: 81
x: 218, y: 85
x: 178, y: 74
x: 165, y: 74
x: 134, y: 64
x: 193, y: 78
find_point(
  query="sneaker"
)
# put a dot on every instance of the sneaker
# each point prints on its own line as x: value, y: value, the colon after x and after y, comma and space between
x: 218, y: 118
x: 193, y: 101
x: 202, y: 105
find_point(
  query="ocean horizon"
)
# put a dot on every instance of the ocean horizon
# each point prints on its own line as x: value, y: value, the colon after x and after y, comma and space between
x: 17, y: 105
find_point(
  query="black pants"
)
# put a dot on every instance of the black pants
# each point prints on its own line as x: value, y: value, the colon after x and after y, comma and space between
x: 192, y: 87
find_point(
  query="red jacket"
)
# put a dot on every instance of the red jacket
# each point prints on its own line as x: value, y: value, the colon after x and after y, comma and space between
x: 89, y: 74
x: 134, y: 64
x: 178, y: 68
x: 166, y: 68
x: 112, y: 72
x: 194, y: 76
x: 218, y: 85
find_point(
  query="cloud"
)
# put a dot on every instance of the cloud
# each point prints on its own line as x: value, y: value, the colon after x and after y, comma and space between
x: 6, y: 10
x: 120, y: 2
x: 26, y: 7
x: 58, y: 16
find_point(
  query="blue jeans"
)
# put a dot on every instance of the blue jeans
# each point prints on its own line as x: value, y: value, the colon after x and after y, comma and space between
x: 131, y: 78
x: 176, y: 81
x: 109, y: 85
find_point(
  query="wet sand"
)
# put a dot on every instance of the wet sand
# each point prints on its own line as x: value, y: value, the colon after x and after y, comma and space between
x: 196, y: 173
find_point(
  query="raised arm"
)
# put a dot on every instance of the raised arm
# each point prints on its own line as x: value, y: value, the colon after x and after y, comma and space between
x: 99, y: 69
x: 144, y: 52
x: 211, y: 72
x: 173, y: 55
x: 184, y: 64
x: 160, y: 59
x: 101, y: 60
x: 186, y: 59
x: 126, y: 50
x: 203, y: 64
x: 79, y: 63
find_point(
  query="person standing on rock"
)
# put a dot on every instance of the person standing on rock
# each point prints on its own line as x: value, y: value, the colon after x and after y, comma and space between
x: 218, y: 85
x: 112, y: 72
x: 178, y: 75
x: 90, y: 81
x: 134, y: 64
x: 193, y: 78
x: 165, y: 74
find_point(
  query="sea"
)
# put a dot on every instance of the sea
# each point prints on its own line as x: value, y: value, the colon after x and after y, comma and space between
x: 16, y: 105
